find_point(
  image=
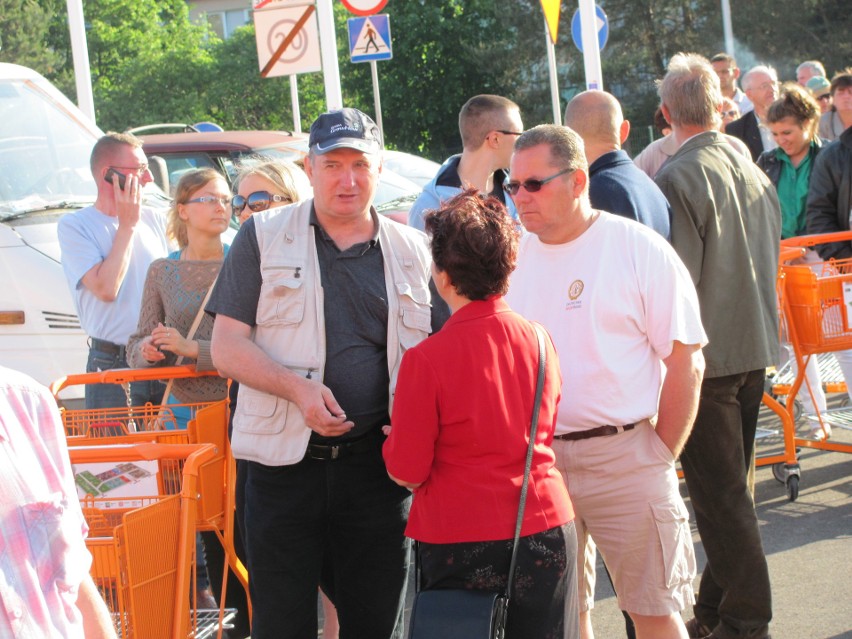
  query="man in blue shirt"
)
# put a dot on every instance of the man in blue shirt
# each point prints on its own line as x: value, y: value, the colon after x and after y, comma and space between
x: 616, y: 184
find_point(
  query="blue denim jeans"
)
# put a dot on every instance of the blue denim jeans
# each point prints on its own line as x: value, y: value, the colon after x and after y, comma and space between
x: 734, y: 597
x: 339, y: 524
x: 112, y: 395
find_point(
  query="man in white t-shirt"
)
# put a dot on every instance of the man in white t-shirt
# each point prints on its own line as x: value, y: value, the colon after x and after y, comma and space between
x: 619, y: 304
x: 106, y: 251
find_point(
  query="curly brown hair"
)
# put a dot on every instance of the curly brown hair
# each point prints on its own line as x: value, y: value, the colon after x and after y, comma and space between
x: 475, y: 242
x: 796, y: 102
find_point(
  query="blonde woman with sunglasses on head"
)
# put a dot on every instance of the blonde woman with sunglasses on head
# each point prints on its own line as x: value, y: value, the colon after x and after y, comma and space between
x: 266, y: 184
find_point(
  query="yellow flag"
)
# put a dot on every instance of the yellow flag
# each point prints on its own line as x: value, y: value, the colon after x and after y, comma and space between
x: 551, y: 15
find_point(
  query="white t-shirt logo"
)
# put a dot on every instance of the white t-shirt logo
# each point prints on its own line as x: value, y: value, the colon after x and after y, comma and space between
x: 576, y: 289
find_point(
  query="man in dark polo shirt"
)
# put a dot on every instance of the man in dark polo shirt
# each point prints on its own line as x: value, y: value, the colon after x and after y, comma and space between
x: 314, y: 306
x: 616, y: 185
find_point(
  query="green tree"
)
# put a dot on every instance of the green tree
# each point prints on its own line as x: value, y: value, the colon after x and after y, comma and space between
x: 24, y: 36
x: 444, y: 53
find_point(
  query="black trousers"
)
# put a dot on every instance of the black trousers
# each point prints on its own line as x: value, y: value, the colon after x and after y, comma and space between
x: 339, y: 524
x: 734, y: 597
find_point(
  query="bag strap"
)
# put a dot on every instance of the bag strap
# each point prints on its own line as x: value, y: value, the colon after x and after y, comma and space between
x: 539, y: 391
x: 190, y: 334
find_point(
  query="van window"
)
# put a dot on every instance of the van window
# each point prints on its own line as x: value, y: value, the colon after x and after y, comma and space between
x: 44, y: 152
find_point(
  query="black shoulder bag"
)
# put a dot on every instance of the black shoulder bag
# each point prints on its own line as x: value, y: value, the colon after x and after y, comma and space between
x: 476, y: 614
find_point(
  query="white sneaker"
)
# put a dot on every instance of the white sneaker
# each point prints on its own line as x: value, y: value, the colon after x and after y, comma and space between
x: 817, y: 432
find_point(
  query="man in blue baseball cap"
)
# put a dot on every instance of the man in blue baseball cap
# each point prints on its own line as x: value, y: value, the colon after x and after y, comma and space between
x: 314, y: 306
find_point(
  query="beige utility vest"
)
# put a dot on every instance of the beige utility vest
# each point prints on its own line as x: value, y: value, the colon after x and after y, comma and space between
x: 290, y: 324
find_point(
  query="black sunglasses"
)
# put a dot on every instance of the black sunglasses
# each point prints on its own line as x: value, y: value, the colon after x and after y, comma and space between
x: 504, y: 132
x: 532, y: 186
x: 257, y: 201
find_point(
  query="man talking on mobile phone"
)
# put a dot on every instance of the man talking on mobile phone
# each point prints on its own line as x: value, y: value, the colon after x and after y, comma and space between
x: 106, y: 251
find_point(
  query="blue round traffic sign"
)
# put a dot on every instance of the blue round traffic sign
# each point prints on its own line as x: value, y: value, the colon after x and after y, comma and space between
x: 603, y: 29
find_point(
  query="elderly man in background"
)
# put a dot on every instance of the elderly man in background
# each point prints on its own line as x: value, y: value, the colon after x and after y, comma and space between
x: 761, y: 87
x: 726, y: 222
x: 807, y: 70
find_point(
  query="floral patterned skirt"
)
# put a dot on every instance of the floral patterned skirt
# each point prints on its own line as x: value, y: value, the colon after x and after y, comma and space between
x: 544, y: 601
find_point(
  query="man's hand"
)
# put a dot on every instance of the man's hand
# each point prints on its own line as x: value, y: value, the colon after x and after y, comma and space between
x: 128, y: 201
x: 322, y: 413
x: 679, y: 395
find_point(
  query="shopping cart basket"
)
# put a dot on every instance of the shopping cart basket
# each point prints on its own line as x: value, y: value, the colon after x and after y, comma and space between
x: 143, y: 548
x: 815, y: 300
x: 213, y: 481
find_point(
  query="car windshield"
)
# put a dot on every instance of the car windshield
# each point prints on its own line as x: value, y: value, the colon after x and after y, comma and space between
x: 44, y: 152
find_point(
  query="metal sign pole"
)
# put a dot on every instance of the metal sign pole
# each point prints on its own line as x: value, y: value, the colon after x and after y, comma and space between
x: 727, y: 27
x: 80, y: 54
x: 377, y: 100
x: 554, y: 80
x: 328, y: 48
x: 294, y: 98
x: 591, y: 46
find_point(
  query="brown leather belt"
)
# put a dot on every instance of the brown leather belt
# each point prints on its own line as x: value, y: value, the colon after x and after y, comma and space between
x: 600, y: 431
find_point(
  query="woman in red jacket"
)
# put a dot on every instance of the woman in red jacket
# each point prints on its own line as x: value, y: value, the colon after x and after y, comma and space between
x: 460, y: 431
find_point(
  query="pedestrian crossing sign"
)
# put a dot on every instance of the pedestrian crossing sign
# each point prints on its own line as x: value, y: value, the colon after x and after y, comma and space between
x: 369, y: 38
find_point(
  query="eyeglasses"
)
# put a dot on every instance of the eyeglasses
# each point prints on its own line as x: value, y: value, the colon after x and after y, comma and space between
x: 210, y: 199
x: 733, y: 113
x: 140, y: 170
x: 532, y: 186
x: 257, y: 201
x: 825, y: 98
x: 509, y: 132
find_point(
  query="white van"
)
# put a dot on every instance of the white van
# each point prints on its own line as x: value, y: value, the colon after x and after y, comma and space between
x: 45, y: 144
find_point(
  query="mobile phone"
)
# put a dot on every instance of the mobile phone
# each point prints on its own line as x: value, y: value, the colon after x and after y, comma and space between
x: 122, y: 179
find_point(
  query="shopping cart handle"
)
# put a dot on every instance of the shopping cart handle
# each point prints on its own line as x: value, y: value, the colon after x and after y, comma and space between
x: 126, y: 375
x: 820, y: 238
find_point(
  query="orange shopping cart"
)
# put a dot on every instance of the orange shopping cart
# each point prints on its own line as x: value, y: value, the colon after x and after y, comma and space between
x: 132, y: 505
x: 815, y: 300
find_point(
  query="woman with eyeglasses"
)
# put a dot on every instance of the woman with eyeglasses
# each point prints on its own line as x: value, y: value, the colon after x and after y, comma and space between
x: 175, y: 289
x: 176, y: 286
x: 730, y: 112
x: 265, y: 184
